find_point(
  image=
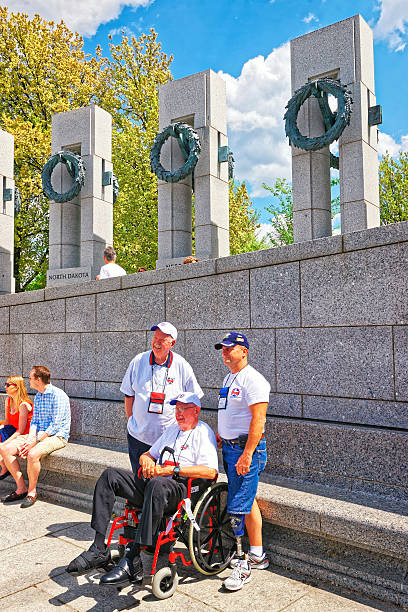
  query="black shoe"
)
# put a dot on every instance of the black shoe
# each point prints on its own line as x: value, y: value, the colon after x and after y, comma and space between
x: 3, y: 476
x: 126, y: 572
x: 90, y: 559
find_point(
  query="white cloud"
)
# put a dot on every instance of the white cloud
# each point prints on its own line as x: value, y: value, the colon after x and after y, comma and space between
x: 310, y: 17
x: 256, y: 104
x: 386, y: 143
x: 84, y: 18
x: 392, y: 24
x: 264, y: 229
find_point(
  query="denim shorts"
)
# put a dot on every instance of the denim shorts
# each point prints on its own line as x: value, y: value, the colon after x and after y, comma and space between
x: 242, y: 489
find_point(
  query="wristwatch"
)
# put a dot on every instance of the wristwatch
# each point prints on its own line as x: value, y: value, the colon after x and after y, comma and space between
x: 176, y: 471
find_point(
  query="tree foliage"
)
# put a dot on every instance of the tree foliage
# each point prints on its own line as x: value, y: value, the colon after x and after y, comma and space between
x: 243, y: 220
x: 137, y: 67
x: 393, y: 175
x: 282, y: 211
x: 43, y: 70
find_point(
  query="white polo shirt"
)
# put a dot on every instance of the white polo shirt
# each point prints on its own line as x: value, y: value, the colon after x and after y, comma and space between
x: 247, y: 387
x: 110, y: 270
x: 141, y: 378
x: 196, y: 446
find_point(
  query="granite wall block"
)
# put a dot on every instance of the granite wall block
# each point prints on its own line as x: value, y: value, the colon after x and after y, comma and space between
x: 4, y: 320
x: 338, y: 361
x: 363, y: 287
x: 130, y: 309
x: 80, y: 313
x: 106, y: 356
x: 275, y: 296
x: 80, y: 388
x: 215, y: 302
x: 351, y: 451
x: 401, y: 362
x: 59, y: 352
x: 366, y: 412
x: 285, y: 404
x: 11, y: 361
x: 109, y: 391
x: 38, y: 317
x: 103, y: 418
x: 207, y: 362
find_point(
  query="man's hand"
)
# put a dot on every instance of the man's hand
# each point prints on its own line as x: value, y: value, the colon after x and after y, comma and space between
x: 243, y: 464
x: 148, y: 466
x: 219, y: 440
x: 25, y: 449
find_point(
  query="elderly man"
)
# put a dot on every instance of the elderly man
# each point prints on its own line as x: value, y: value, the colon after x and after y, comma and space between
x: 242, y: 404
x: 151, y: 381
x: 158, y: 492
x: 49, y: 431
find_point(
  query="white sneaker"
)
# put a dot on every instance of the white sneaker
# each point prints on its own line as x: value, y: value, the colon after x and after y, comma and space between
x: 254, y: 561
x: 239, y: 576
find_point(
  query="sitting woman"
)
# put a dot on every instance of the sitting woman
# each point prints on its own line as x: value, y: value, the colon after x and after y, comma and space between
x: 19, y: 410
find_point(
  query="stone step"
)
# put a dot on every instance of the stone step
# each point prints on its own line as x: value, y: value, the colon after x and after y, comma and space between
x: 352, y: 540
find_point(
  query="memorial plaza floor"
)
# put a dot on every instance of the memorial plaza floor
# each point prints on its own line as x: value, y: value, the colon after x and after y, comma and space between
x: 37, y: 543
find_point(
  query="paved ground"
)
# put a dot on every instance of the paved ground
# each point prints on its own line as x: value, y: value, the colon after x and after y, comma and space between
x: 37, y: 543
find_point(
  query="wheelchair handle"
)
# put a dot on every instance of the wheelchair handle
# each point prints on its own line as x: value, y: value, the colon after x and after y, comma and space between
x: 167, y: 449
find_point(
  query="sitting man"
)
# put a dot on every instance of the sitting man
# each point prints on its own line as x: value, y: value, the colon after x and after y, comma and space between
x: 49, y: 431
x: 158, y: 492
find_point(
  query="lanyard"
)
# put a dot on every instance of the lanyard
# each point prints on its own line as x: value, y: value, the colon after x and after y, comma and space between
x: 168, y: 363
x: 175, y: 442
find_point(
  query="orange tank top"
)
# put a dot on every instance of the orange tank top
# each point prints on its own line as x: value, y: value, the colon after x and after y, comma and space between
x: 14, y: 418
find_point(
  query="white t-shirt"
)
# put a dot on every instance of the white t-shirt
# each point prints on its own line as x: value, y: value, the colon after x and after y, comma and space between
x: 245, y: 388
x: 196, y: 446
x: 110, y: 270
x: 177, y: 378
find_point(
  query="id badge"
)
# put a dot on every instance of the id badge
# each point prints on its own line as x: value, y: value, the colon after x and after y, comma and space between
x: 156, y: 403
x: 223, y: 398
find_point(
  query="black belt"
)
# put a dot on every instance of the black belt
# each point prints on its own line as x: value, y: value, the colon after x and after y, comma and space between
x: 240, y: 439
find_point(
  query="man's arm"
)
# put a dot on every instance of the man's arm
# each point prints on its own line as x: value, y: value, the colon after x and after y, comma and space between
x: 129, y: 399
x: 256, y: 430
x: 194, y: 471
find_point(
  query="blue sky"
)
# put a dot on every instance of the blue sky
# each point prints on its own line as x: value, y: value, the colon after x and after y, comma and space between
x: 246, y: 41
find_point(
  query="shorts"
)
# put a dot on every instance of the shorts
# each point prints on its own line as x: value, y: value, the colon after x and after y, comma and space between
x: 6, y: 432
x: 47, y: 446
x: 242, y: 489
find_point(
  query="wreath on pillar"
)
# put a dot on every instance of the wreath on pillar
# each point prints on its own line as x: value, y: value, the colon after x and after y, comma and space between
x: 334, y: 122
x: 76, y: 169
x: 190, y: 147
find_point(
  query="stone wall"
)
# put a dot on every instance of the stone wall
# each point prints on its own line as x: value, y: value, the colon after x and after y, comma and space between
x: 327, y: 321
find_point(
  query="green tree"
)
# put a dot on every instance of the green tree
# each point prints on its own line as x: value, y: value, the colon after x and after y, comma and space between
x: 243, y: 220
x: 43, y: 70
x: 393, y: 174
x: 282, y: 211
x: 137, y: 67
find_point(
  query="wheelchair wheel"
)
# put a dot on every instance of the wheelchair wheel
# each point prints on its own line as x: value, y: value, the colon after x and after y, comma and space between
x: 212, y: 548
x: 164, y: 584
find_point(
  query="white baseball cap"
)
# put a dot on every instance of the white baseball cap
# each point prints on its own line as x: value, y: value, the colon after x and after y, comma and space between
x: 186, y: 398
x: 166, y: 328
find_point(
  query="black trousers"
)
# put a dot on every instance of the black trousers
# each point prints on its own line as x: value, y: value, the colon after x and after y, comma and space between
x: 157, y: 497
x: 136, y: 448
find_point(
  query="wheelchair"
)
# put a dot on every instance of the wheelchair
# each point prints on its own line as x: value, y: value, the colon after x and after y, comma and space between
x: 211, y: 546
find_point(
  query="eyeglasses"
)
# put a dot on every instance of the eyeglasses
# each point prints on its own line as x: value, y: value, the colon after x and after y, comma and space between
x: 10, y: 385
x: 183, y: 408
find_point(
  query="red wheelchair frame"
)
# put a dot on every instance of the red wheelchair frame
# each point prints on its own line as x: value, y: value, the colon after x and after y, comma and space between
x: 212, y: 520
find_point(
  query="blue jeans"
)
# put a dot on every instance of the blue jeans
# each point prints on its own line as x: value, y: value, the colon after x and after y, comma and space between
x: 242, y: 489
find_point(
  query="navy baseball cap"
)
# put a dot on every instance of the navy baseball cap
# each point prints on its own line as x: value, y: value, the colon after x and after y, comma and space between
x: 231, y: 339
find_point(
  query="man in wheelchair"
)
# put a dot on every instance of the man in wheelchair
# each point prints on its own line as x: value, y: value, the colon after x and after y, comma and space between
x: 187, y: 449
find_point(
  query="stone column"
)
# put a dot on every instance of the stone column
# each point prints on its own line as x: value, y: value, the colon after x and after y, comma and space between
x: 343, y: 51
x: 7, y: 284
x: 200, y: 101
x: 82, y: 228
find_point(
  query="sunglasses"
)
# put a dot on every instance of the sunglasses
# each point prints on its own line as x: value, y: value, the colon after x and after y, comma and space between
x: 10, y: 385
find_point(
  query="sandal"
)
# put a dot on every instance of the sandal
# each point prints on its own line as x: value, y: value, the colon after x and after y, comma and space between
x: 89, y: 560
x: 14, y: 496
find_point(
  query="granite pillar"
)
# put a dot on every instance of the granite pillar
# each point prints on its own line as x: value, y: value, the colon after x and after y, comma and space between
x: 7, y: 283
